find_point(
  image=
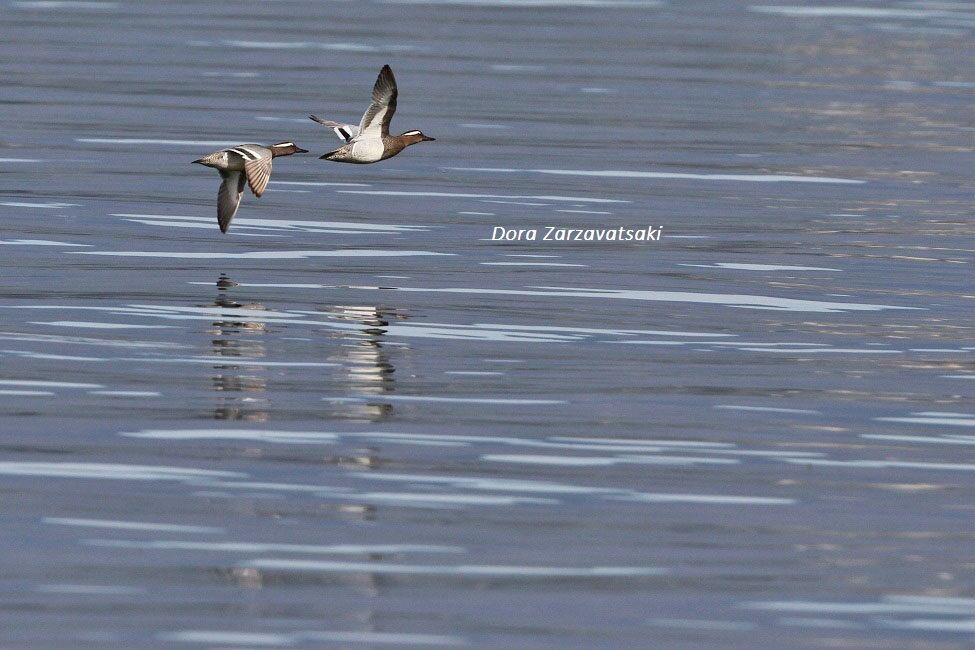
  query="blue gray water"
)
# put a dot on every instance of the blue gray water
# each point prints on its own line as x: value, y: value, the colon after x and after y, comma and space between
x: 355, y: 421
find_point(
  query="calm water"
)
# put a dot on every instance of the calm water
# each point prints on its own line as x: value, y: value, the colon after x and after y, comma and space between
x: 354, y: 421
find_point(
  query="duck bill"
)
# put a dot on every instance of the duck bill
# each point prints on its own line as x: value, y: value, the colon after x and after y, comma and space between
x: 300, y: 150
x: 427, y: 138
x: 198, y: 161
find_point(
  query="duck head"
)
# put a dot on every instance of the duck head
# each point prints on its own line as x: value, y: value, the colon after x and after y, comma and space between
x: 285, y: 149
x: 412, y: 137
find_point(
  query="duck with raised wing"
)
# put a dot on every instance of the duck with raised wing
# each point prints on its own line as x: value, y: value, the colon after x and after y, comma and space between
x: 370, y: 141
x: 245, y: 161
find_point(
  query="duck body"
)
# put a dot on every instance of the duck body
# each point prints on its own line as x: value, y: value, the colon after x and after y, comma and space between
x: 370, y: 150
x: 250, y: 163
x: 370, y: 140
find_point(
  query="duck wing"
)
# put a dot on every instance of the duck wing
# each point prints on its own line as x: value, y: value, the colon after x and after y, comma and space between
x: 375, y: 121
x: 228, y: 197
x: 258, y: 174
x: 344, y: 131
x: 257, y: 165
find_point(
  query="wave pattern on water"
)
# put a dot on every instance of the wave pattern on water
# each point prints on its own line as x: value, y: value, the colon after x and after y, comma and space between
x: 612, y: 173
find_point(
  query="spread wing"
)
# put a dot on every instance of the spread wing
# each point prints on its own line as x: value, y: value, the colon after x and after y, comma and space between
x: 344, y: 131
x: 258, y: 174
x: 228, y: 198
x: 375, y: 121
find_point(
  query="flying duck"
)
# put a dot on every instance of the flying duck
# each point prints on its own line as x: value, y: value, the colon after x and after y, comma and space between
x: 250, y: 161
x: 370, y: 141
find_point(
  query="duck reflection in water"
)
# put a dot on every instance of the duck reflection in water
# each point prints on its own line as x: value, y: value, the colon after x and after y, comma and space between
x: 234, y: 341
x: 364, y: 354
